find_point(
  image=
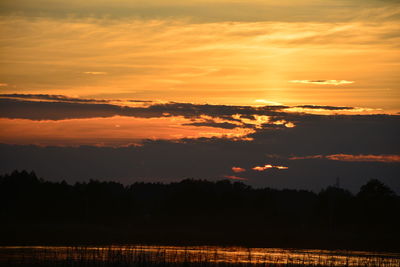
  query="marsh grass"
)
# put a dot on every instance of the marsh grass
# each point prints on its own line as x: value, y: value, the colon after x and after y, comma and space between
x: 169, y: 256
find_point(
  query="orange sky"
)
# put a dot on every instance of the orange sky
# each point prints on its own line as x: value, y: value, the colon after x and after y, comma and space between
x: 205, y: 51
x: 330, y: 52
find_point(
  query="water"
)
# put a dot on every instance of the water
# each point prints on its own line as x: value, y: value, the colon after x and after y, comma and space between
x: 195, y: 255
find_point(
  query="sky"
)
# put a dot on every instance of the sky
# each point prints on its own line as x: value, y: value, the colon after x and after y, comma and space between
x: 271, y: 93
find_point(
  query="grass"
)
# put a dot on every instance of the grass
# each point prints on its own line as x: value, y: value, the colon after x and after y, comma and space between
x: 167, y: 256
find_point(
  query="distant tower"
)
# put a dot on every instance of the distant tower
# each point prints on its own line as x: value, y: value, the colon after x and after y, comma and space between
x: 337, y: 184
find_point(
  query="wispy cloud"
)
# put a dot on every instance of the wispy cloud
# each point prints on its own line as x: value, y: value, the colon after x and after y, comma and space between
x: 365, y: 158
x: 269, y: 166
x: 308, y: 157
x: 267, y: 102
x: 3, y: 84
x: 353, y: 158
x: 238, y: 169
x: 233, y: 177
x: 332, y: 110
x: 323, y: 82
x: 46, y: 97
x: 206, y: 10
x: 95, y: 72
x: 324, y: 107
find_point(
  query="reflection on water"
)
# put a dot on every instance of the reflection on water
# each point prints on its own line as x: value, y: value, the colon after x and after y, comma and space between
x: 198, y: 254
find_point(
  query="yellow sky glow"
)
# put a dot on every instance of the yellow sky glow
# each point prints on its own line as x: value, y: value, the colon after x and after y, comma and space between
x: 220, y: 62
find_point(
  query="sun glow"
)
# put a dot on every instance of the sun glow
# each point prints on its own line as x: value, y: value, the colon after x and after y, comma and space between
x: 241, y: 62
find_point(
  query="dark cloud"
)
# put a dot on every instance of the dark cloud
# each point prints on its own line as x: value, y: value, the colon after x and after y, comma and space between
x: 22, y: 106
x: 60, y: 98
x: 223, y: 125
x: 333, y: 134
x: 34, y: 110
x: 63, y: 98
x: 140, y: 101
x: 26, y: 106
x: 348, y: 157
x: 213, y: 158
x: 339, y: 133
x: 325, y: 107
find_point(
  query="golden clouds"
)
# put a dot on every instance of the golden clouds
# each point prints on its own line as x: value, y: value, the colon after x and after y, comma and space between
x: 257, y: 120
x: 95, y: 72
x: 326, y: 82
x: 238, y: 169
x: 269, y: 166
x: 234, y: 177
x: 114, y: 131
x: 219, y: 62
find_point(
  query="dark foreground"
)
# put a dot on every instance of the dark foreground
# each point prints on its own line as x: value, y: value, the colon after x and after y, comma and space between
x: 193, y: 212
x: 187, y: 256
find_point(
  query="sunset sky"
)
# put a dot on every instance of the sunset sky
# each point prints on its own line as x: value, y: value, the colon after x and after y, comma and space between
x: 274, y: 93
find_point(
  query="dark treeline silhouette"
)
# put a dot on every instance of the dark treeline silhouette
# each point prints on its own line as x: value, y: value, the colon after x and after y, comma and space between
x: 35, y: 211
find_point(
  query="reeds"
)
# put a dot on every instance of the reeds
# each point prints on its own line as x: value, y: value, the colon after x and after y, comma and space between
x: 173, y: 256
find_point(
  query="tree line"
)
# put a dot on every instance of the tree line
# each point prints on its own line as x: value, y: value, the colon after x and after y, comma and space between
x: 210, y: 211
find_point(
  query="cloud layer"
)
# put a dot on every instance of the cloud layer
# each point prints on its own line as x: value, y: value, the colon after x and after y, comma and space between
x: 241, y: 61
x: 323, y: 82
x: 171, y: 141
x: 354, y: 158
x: 206, y: 11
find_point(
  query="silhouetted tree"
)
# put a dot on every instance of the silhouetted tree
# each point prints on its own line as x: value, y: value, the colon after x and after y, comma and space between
x: 378, y: 204
x: 196, y: 210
